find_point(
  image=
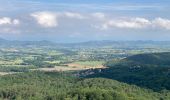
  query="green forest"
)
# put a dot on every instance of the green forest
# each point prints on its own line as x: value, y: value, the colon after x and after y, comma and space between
x: 63, y: 86
x: 146, y: 70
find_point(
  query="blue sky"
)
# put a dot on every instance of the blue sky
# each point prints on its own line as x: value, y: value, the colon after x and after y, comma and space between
x: 85, y: 20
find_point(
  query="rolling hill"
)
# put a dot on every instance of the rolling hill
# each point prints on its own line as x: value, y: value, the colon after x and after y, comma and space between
x: 145, y: 70
x: 152, y: 59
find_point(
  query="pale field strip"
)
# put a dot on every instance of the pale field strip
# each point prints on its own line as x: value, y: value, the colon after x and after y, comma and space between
x: 7, y: 73
x: 67, y: 67
x: 71, y: 67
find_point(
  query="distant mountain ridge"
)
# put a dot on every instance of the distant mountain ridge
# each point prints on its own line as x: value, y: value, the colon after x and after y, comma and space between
x: 4, y: 42
x: 98, y: 44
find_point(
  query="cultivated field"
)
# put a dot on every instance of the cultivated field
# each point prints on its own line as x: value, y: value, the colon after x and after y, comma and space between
x: 75, y: 66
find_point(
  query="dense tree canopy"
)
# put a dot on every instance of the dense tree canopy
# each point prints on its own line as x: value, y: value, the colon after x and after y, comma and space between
x: 145, y: 70
x: 63, y: 86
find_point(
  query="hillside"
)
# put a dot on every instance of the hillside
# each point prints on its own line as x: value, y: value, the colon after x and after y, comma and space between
x: 62, y: 86
x: 153, y: 59
x: 145, y: 70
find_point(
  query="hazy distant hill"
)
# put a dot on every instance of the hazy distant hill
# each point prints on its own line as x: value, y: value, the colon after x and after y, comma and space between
x: 97, y: 44
x: 121, y: 44
x: 9, y: 43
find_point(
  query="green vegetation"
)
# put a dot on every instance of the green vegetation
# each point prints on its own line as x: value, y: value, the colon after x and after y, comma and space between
x: 145, y: 70
x: 159, y: 59
x: 63, y: 86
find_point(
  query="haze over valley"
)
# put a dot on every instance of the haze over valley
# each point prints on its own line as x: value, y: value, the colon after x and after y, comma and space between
x: 84, y: 50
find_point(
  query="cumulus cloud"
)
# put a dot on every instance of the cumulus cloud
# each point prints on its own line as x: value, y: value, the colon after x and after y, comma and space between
x: 161, y: 23
x: 46, y: 19
x: 74, y: 15
x: 16, y: 22
x: 134, y: 23
x: 50, y: 19
x: 9, y: 21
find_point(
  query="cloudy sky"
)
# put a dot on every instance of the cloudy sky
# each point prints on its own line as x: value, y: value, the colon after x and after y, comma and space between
x: 85, y: 20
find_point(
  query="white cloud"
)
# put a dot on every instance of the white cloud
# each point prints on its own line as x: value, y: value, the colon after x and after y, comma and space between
x: 5, y: 20
x: 16, y: 22
x: 46, y: 19
x: 97, y: 20
x: 50, y: 19
x: 9, y: 21
x: 133, y: 23
x: 161, y: 23
x: 74, y: 15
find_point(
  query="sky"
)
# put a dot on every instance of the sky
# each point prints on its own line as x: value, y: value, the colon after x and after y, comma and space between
x: 85, y: 20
